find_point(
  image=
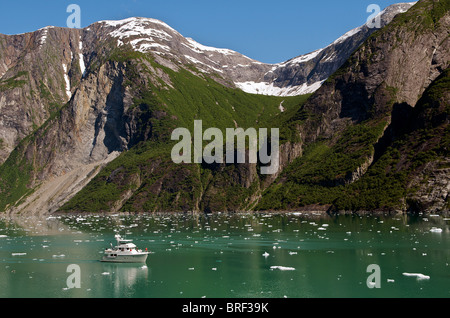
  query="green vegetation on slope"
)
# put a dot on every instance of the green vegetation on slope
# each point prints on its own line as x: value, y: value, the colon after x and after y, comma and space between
x: 14, y: 178
x: 13, y: 82
x: 318, y: 177
x: 144, y: 178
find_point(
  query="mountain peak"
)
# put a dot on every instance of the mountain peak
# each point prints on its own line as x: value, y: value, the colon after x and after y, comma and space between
x: 134, y: 22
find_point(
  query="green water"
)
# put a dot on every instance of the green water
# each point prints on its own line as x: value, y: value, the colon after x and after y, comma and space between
x: 225, y: 256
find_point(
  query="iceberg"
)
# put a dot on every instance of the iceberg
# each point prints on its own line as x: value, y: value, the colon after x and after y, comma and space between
x: 418, y: 275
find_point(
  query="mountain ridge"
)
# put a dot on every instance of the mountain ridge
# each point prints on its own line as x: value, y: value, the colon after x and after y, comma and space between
x: 51, y: 84
x: 110, y: 140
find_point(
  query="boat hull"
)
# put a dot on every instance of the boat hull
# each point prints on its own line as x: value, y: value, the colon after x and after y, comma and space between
x: 139, y: 258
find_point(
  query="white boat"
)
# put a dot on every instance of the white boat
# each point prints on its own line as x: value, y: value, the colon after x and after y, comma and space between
x: 124, y: 252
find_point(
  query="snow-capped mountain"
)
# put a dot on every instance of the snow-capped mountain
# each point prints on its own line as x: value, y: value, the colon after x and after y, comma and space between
x: 50, y: 63
x: 306, y: 73
x: 300, y: 75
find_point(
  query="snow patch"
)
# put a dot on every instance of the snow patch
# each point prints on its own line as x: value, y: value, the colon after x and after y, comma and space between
x: 302, y: 58
x: 330, y: 58
x: 82, y: 65
x: 195, y: 61
x: 140, y: 27
x: 200, y: 48
x: 281, y: 108
x: 66, y: 78
x: 264, y: 88
x: 282, y: 268
x: 43, y: 36
x: 143, y: 45
x: 347, y: 35
x: 115, y: 23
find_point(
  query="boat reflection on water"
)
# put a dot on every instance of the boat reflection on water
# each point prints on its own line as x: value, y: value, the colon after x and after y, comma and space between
x: 124, y: 277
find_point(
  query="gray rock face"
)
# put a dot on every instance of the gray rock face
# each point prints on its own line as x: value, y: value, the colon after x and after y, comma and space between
x: 433, y: 191
x: 37, y: 76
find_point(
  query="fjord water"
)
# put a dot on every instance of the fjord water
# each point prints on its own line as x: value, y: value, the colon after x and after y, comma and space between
x: 227, y: 256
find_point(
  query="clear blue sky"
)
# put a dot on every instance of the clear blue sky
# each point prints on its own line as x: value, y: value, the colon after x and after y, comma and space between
x: 270, y: 31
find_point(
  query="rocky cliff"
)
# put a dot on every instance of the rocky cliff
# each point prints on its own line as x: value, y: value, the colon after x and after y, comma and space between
x: 359, y: 117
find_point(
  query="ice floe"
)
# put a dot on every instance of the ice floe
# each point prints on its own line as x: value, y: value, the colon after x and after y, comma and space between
x: 417, y: 275
x: 282, y: 268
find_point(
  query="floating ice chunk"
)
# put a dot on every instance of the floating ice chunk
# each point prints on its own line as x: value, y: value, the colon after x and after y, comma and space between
x: 436, y: 230
x: 18, y: 254
x: 2, y: 236
x: 59, y: 256
x: 106, y: 273
x: 292, y: 253
x: 418, y: 275
x: 266, y: 254
x: 282, y: 268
